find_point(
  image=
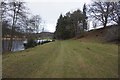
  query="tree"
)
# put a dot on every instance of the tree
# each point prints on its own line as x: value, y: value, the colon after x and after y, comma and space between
x: 16, y: 11
x: 35, y: 22
x: 85, y: 17
x: 4, y: 8
x: 58, y: 28
x: 14, y: 14
x: 115, y: 15
x: 4, y: 21
x: 67, y: 26
x: 101, y: 11
x: 77, y: 18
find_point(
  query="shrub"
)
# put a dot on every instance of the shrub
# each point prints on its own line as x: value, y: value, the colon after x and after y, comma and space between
x: 31, y: 43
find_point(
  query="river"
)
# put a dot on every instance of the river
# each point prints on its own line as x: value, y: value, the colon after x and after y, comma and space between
x: 17, y: 45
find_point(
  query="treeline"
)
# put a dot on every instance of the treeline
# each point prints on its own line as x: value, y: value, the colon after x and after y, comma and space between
x: 7, y: 31
x: 74, y: 24
x: 71, y: 24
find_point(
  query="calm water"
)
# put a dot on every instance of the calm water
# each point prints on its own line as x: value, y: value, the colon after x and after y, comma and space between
x: 17, y: 45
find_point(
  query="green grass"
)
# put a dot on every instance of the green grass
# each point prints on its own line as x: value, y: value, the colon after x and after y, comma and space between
x: 63, y: 59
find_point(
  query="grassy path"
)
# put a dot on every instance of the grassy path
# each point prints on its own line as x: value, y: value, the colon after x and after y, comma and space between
x: 70, y: 58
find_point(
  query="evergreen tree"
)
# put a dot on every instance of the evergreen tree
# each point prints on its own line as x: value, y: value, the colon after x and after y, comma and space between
x: 85, y: 17
x: 67, y: 26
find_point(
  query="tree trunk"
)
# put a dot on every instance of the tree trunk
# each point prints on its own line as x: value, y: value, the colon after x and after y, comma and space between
x: 104, y: 25
x: 105, y: 22
x: 119, y: 21
x: 12, y: 32
x: 11, y: 39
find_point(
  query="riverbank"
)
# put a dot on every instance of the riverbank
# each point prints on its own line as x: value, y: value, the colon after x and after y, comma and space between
x: 63, y: 59
x: 14, y: 39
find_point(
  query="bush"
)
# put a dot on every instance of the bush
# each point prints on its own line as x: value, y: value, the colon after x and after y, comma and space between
x: 45, y: 42
x: 31, y: 43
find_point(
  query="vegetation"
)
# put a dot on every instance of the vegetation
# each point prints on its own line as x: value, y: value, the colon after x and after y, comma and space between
x: 115, y: 13
x: 6, y: 31
x: 74, y: 24
x: 105, y: 12
x: 112, y: 33
x: 85, y: 17
x: 31, y: 43
x: 63, y: 59
x: 15, y: 18
x: 68, y: 25
x: 104, y: 35
x: 76, y: 53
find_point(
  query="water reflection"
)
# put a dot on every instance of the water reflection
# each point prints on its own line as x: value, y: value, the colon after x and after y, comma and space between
x: 17, y: 45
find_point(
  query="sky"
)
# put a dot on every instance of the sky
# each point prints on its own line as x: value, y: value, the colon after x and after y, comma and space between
x: 50, y: 10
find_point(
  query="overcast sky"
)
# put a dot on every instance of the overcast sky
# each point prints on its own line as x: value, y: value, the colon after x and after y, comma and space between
x: 49, y: 10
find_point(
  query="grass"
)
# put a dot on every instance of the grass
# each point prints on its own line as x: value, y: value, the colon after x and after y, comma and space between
x: 63, y: 59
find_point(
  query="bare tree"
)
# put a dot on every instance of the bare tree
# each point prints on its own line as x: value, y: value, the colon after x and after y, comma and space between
x: 115, y: 15
x: 35, y: 22
x: 101, y: 11
x: 16, y: 11
x: 3, y: 9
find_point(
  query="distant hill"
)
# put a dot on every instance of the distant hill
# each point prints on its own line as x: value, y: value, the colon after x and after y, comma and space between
x: 45, y: 35
x: 110, y: 33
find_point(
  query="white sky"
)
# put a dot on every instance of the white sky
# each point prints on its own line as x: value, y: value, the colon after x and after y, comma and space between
x: 49, y: 10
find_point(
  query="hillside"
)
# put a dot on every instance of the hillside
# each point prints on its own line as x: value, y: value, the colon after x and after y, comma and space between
x: 108, y: 34
x: 45, y: 35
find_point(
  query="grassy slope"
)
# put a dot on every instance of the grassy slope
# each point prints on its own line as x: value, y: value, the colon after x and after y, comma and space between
x: 100, y: 35
x: 69, y: 58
